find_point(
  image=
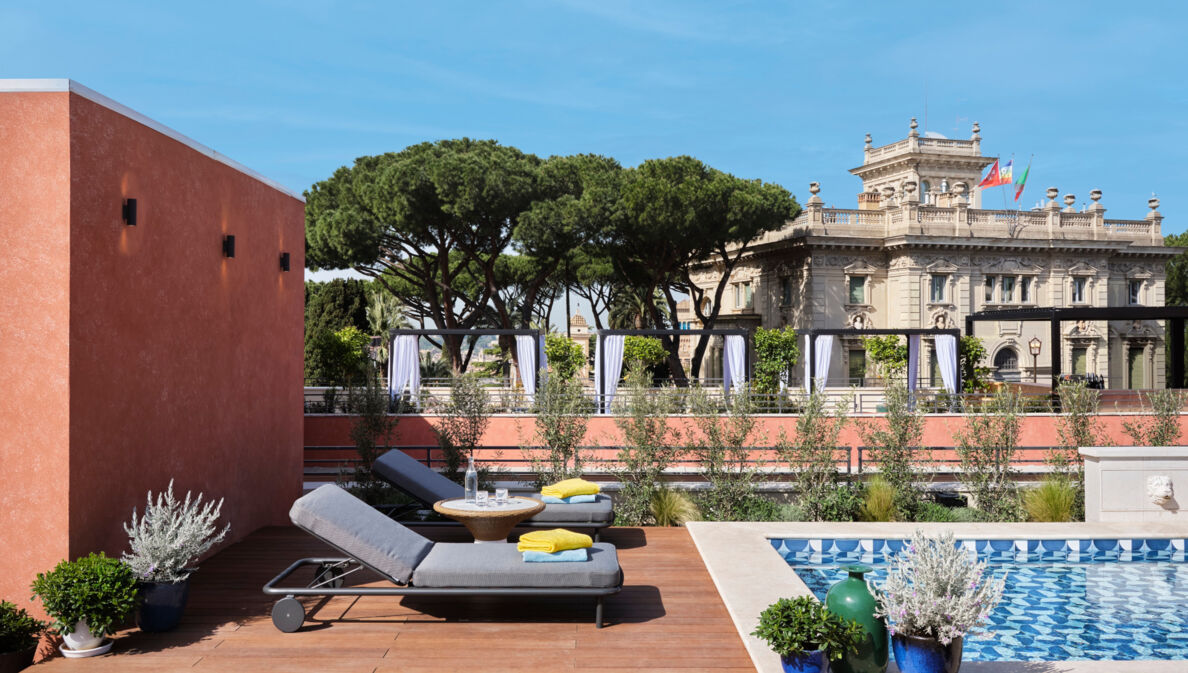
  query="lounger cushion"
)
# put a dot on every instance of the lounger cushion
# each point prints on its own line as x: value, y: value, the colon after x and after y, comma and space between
x: 411, y: 476
x: 599, y: 511
x: 468, y: 565
x: 360, y: 531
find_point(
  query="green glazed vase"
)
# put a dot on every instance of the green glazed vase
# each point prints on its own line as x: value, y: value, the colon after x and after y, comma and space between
x: 851, y: 599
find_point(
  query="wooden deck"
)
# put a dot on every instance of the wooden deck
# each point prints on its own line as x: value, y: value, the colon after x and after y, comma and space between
x: 667, y: 618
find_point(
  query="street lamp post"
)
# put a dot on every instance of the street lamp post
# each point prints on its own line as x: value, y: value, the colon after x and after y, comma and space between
x: 1035, y: 346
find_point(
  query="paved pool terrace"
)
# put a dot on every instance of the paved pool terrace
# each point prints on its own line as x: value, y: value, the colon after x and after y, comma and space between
x: 750, y: 573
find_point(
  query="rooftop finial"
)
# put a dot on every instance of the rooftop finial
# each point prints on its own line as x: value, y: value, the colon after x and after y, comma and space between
x: 1095, y: 195
x: 868, y: 141
x: 814, y: 188
x: 914, y: 133
x: 977, y: 130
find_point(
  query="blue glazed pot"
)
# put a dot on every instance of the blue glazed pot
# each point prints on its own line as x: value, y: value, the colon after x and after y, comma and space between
x: 914, y: 654
x: 806, y: 662
x: 161, y: 605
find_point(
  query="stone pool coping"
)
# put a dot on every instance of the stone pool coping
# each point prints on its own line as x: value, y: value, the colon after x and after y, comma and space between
x: 750, y: 574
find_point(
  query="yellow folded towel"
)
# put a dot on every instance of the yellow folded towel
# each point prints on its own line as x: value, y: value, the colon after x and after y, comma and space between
x: 570, y: 487
x: 553, y: 541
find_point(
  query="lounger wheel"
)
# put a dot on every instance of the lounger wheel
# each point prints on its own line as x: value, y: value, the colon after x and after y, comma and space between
x: 330, y: 572
x: 288, y: 614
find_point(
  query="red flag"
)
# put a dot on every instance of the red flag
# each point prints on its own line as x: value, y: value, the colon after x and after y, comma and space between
x: 992, y: 179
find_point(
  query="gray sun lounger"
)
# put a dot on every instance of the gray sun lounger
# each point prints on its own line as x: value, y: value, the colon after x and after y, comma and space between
x: 417, y: 566
x: 428, y: 486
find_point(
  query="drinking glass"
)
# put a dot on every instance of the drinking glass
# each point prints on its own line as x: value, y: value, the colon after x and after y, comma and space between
x: 501, y: 496
x: 482, y: 497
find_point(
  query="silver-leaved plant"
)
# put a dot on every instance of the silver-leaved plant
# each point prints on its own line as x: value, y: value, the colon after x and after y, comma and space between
x: 935, y: 589
x: 171, y: 535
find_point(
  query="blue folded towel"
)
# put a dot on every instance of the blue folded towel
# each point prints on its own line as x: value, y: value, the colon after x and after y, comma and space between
x: 567, y: 555
x: 571, y: 500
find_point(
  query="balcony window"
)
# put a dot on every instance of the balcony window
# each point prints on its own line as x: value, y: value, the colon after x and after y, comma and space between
x: 1025, y: 290
x: 857, y: 367
x: 1078, y: 290
x: 857, y: 289
x: 938, y: 289
x: 1134, y: 291
x: 743, y: 298
x: 990, y: 280
x: 786, y: 290
x: 1008, y: 289
x: 1080, y: 361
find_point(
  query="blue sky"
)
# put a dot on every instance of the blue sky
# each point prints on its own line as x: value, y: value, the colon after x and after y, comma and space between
x: 782, y: 91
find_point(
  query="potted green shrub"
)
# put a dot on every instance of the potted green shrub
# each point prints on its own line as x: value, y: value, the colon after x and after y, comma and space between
x: 164, y: 542
x: 19, y: 634
x: 806, y: 635
x: 85, y: 598
x: 935, y: 593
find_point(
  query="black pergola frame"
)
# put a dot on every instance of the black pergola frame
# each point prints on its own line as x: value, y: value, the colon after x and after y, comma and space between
x: 813, y: 333
x: 678, y: 333
x: 1174, y: 315
x: 475, y: 332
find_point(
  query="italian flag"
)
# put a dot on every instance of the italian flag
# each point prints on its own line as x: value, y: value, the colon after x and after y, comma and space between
x: 1022, y: 182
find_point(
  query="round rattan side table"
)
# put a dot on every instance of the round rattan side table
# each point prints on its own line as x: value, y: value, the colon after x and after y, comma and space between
x: 491, y: 523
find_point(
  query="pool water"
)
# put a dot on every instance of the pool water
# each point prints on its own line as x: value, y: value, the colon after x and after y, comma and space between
x: 1064, y: 599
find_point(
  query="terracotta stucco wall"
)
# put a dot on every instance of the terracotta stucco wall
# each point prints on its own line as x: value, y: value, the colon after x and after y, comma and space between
x: 184, y: 365
x: 34, y: 336
x: 136, y: 355
x: 1036, y: 430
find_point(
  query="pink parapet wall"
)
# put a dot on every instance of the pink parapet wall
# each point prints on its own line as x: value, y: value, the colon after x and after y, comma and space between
x: 511, y: 432
x: 141, y: 354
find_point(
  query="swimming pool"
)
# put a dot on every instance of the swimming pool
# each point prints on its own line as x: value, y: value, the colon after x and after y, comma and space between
x: 1095, y: 599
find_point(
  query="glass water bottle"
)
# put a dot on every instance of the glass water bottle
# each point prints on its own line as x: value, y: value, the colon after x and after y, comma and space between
x: 471, y: 480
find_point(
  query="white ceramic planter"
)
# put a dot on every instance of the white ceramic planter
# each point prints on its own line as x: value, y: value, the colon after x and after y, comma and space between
x: 81, y: 637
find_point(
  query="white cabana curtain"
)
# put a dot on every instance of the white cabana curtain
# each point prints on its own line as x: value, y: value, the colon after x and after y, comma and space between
x: 822, y: 352
x: 946, y: 357
x: 608, y: 366
x: 734, y: 367
x: 805, y: 356
x: 404, y: 367
x: 913, y: 366
x: 526, y: 347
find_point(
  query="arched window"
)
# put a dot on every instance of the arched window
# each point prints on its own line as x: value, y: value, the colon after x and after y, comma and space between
x: 1006, y: 359
x: 924, y: 187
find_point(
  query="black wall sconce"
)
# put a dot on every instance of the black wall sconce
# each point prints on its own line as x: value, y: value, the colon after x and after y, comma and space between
x: 284, y: 261
x: 229, y: 246
x: 130, y: 212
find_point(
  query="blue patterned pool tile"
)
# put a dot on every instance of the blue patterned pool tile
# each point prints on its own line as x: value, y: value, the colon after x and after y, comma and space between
x: 1177, y: 544
x: 1054, y: 545
x: 846, y: 545
x: 1105, y: 545
x: 796, y: 544
x: 1001, y: 545
x: 816, y: 544
x: 1158, y: 545
x: 894, y: 546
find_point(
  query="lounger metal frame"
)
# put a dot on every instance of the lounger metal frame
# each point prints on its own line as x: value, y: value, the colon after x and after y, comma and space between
x: 326, y: 587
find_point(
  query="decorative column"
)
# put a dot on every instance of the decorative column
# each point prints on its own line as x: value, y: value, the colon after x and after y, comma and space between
x: 814, y: 205
x: 1097, y: 211
x: 1053, y: 212
x: 1155, y: 219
